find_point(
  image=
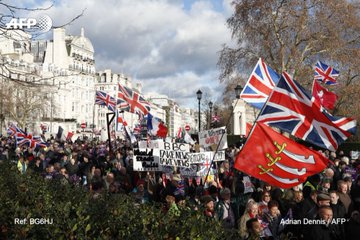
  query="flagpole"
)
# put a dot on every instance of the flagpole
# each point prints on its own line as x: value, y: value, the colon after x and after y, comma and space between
x: 218, y: 145
x: 108, y: 122
x: 226, y: 126
x: 93, y: 118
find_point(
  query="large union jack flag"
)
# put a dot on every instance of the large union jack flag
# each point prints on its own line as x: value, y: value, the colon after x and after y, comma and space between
x: 131, y: 101
x: 104, y: 99
x: 291, y: 109
x: 260, y: 84
x: 325, y: 73
x: 27, y: 139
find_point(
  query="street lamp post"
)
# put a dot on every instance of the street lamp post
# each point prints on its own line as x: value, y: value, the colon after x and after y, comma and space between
x: 210, y: 118
x: 199, y: 95
x: 238, y: 89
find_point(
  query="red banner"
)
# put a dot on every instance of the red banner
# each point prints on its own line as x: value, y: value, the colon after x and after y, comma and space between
x: 278, y: 160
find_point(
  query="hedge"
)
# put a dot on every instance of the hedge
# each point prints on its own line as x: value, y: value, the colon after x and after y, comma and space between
x: 76, y: 214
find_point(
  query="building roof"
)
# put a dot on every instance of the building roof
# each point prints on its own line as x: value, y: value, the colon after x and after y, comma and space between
x: 83, y: 42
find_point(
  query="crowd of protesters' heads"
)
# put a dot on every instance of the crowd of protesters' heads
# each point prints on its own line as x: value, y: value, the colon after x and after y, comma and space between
x: 312, y: 210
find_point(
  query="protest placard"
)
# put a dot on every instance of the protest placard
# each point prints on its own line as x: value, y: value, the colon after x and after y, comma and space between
x: 142, y: 144
x: 152, y: 144
x: 144, y: 160
x: 202, y: 156
x: 247, y: 185
x: 212, y: 137
x: 189, y: 172
x: 354, y: 154
x: 173, y: 154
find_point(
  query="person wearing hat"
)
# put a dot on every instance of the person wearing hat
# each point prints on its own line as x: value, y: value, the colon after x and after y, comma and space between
x: 325, y: 185
x: 208, y: 203
x: 139, y: 193
x: 323, y: 199
x: 224, y: 210
x: 171, y: 207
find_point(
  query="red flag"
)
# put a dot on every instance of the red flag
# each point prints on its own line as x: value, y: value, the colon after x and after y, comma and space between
x: 326, y: 98
x: 156, y: 127
x: 278, y: 160
x: 248, y: 128
x: 179, y: 133
x: 69, y: 135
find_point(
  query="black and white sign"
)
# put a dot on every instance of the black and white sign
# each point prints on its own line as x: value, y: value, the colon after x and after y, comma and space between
x: 144, y: 160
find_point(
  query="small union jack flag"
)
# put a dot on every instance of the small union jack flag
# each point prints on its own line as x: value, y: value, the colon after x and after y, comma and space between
x: 43, y: 127
x: 325, y: 73
x: 131, y: 101
x: 27, y: 139
x: 260, y: 84
x: 104, y: 99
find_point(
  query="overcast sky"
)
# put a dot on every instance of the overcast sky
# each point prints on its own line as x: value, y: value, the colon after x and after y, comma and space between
x: 170, y: 46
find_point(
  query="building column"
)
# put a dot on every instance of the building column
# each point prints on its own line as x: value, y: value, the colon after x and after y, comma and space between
x: 239, y: 119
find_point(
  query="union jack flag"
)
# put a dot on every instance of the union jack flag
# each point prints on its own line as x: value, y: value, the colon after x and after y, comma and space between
x: 291, y: 109
x: 260, y: 84
x: 325, y: 73
x: 131, y: 101
x: 13, y: 130
x: 137, y: 129
x: 122, y: 121
x: 25, y: 139
x: 104, y: 99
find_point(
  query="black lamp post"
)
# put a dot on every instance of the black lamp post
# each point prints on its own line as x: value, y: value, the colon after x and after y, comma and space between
x: 199, y: 95
x: 210, y: 107
x: 238, y: 89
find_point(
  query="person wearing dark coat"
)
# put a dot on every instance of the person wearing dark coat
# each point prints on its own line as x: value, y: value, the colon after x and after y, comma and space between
x: 309, y: 206
x: 72, y: 167
x: 37, y: 166
x: 353, y: 226
x: 273, y: 219
x: 355, y: 192
x: 324, y: 229
x: 85, y: 167
x: 337, y: 206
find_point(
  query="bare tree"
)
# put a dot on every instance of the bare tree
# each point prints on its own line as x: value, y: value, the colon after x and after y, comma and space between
x: 291, y: 36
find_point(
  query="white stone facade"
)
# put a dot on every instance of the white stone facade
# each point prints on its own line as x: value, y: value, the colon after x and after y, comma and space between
x: 242, y: 114
x: 177, y: 117
x: 65, y: 66
x: 69, y: 64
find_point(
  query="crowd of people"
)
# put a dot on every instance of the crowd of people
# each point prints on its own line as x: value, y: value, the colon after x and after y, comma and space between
x: 326, y: 206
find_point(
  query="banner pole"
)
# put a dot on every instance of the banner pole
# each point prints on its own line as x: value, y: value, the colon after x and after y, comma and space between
x: 108, y: 122
x: 218, y: 145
